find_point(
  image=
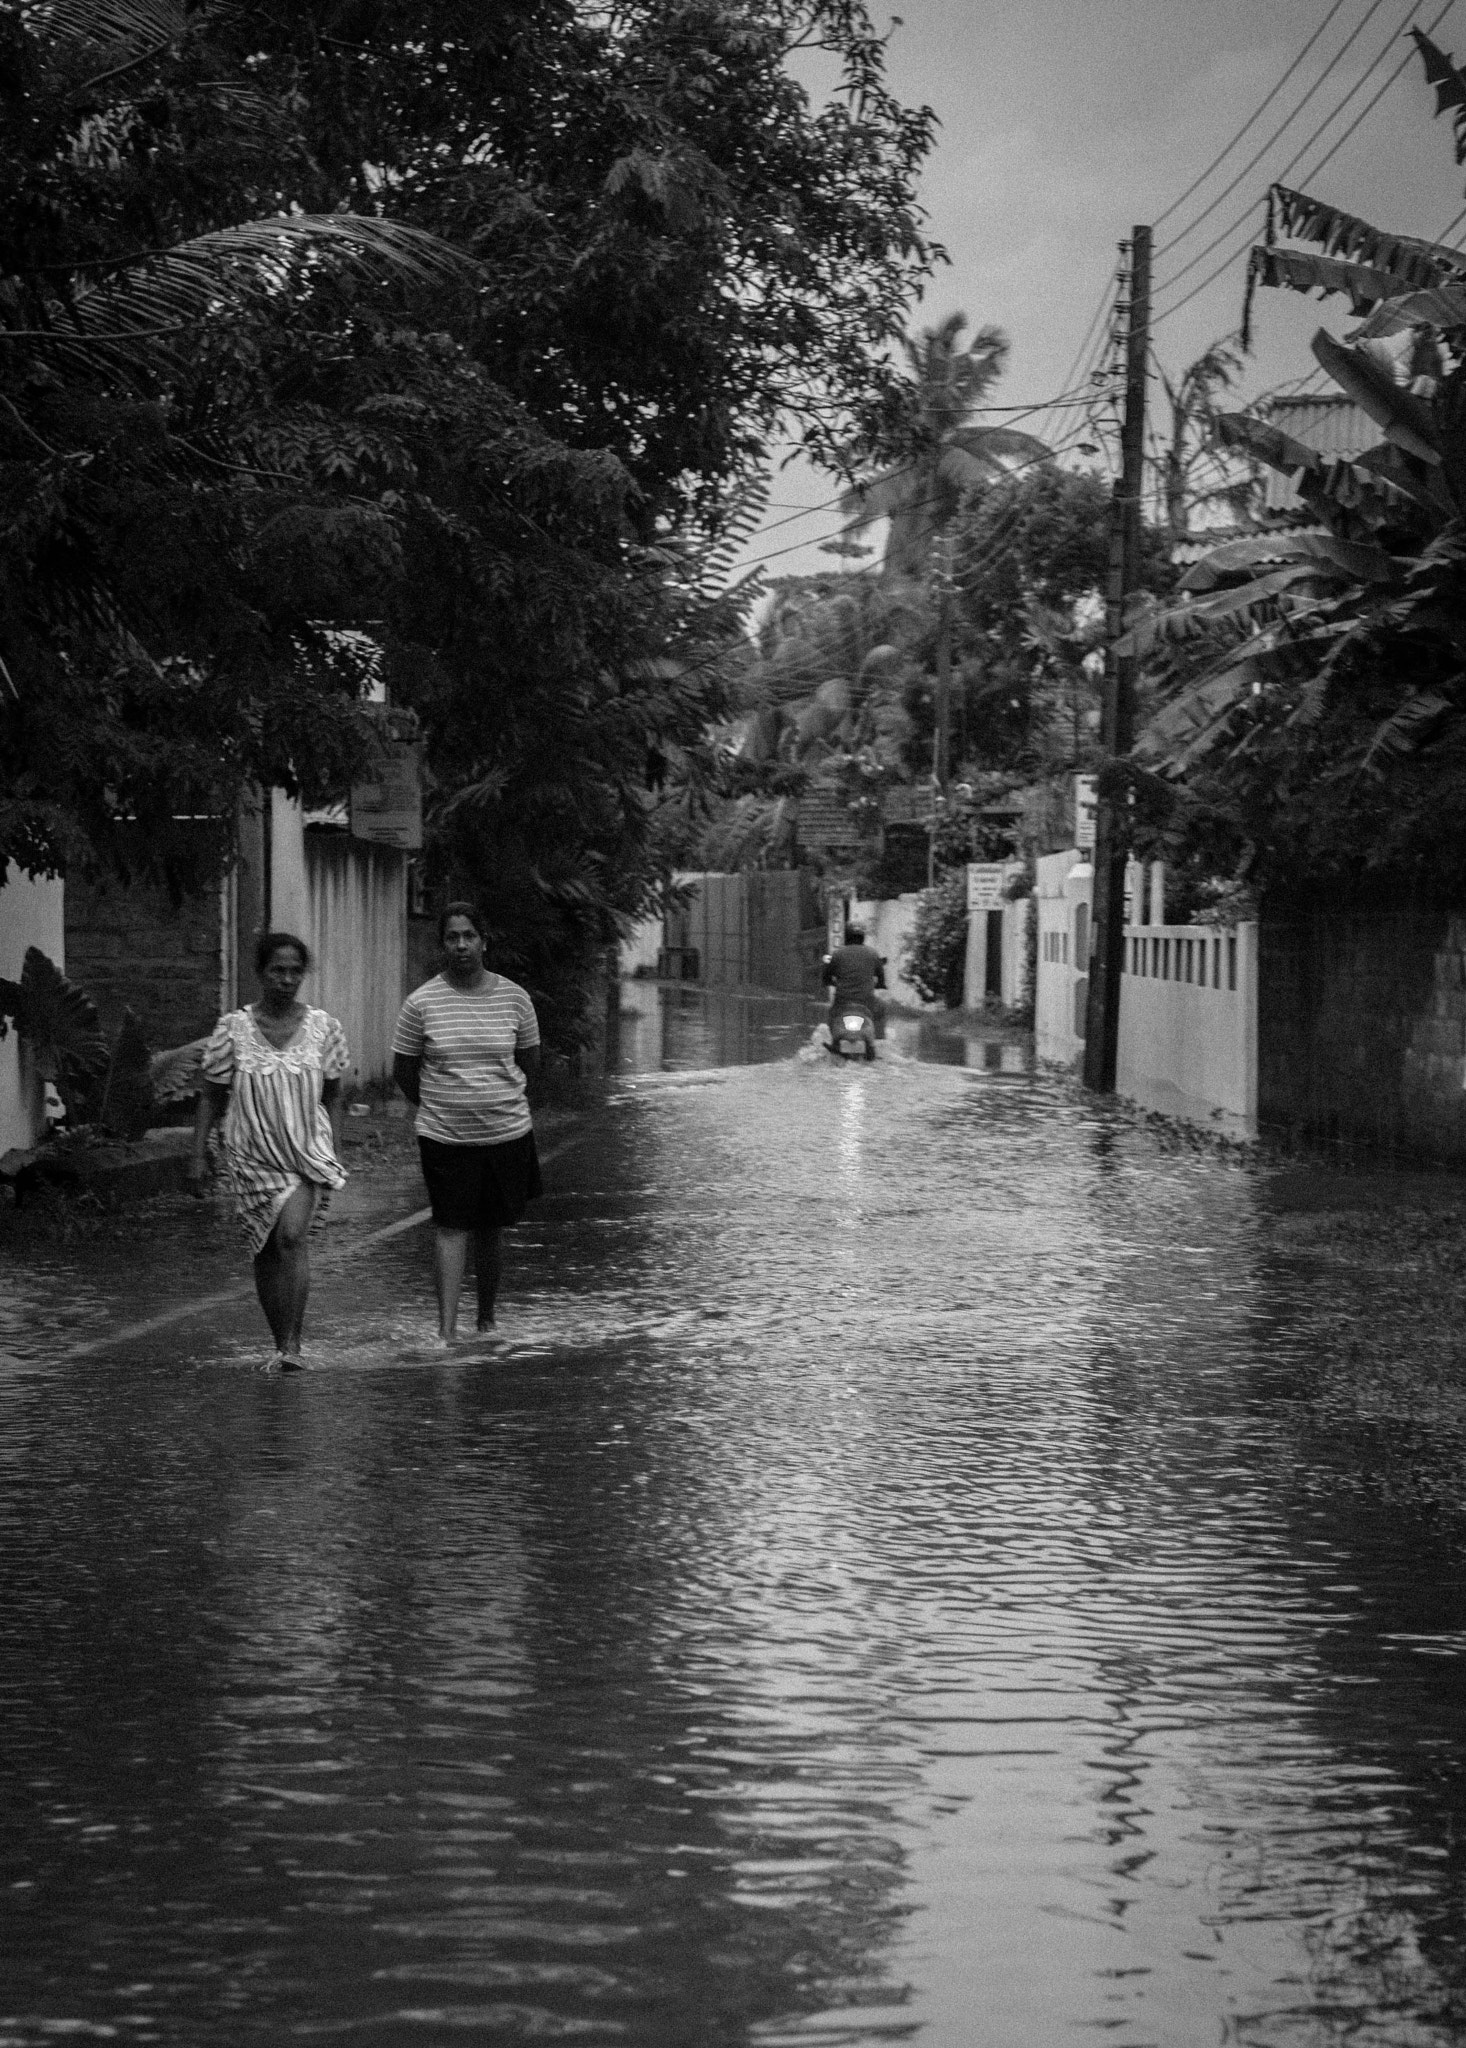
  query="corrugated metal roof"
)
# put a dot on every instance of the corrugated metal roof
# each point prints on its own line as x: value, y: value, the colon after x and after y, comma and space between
x: 1327, y: 422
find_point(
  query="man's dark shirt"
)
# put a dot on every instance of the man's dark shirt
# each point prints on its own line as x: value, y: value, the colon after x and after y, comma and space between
x: 856, y: 972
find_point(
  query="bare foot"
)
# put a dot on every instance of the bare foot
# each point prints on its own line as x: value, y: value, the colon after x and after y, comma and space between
x: 445, y: 1341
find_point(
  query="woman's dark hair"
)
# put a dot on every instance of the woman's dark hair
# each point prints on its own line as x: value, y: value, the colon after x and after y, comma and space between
x: 469, y: 910
x: 270, y: 943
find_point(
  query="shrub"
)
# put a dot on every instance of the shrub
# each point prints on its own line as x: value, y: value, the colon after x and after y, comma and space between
x: 937, y: 956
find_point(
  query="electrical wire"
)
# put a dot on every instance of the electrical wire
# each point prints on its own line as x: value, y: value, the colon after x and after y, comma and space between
x: 1282, y: 128
x: 1064, y: 401
x: 1255, y: 115
x: 794, y: 547
x: 1409, y: 57
x: 1227, y: 261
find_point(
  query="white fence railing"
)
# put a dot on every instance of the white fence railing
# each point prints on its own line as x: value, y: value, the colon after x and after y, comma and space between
x: 1188, y: 1000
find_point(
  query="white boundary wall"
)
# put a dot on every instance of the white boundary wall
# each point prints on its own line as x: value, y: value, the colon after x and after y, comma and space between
x: 1188, y: 1000
x: 1188, y: 1023
x: 888, y: 927
x: 31, y: 914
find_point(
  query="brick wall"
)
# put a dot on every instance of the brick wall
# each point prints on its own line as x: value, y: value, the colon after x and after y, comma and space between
x: 1362, y: 1027
x: 130, y: 946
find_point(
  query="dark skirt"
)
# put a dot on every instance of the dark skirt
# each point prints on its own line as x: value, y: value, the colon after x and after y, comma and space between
x: 480, y: 1187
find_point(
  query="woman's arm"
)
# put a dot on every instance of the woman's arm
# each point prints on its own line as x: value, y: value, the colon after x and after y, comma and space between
x: 212, y: 1102
x: 407, y: 1073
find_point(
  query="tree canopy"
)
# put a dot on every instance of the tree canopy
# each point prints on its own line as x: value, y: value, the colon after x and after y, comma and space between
x: 435, y: 344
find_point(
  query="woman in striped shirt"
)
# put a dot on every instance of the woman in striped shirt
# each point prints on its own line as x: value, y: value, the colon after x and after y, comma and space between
x: 273, y: 1072
x: 465, y: 1045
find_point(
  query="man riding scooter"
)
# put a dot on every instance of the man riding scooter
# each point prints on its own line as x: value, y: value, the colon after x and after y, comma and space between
x: 855, y: 971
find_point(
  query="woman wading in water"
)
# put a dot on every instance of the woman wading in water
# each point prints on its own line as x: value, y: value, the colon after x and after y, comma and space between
x: 465, y: 1044
x: 273, y: 1072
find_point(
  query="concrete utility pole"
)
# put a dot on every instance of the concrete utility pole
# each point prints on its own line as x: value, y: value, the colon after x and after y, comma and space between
x: 1107, y: 926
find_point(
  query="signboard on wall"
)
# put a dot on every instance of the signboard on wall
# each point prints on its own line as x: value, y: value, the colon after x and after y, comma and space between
x: 387, y: 810
x: 1085, y: 804
x: 986, y: 881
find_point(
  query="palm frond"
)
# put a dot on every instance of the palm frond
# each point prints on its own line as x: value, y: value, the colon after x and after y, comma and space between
x: 125, y: 318
x: 127, y: 24
x: 1408, y: 729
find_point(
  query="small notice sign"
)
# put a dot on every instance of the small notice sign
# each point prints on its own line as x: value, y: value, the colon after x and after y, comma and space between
x: 387, y: 810
x: 1086, y: 803
x: 986, y: 881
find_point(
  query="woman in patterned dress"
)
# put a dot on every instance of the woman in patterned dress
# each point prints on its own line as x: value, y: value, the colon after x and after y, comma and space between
x: 273, y: 1072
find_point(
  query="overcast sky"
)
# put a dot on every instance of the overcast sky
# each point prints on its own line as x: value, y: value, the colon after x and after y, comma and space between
x: 1065, y: 121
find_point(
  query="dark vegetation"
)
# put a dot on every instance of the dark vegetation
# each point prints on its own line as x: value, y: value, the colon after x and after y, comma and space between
x: 436, y: 346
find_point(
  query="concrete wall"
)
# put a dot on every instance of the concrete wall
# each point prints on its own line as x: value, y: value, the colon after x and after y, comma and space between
x: 762, y: 929
x: 356, y: 928
x: 1188, y: 1023
x: 1188, y: 1043
x: 1064, y: 885
x: 997, y: 956
x: 1362, y: 1026
x: 889, y: 927
x: 130, y: 946
x: 31, y: 914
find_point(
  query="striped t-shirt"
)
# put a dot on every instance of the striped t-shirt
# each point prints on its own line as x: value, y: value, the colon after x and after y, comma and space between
x: 472, y: 1091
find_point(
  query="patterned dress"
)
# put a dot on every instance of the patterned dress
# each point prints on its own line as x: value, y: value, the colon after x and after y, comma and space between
x: 277, y: 1135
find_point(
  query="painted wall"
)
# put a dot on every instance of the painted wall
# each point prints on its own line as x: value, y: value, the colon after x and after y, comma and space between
x: 1188, y: 1044
x: 1063, y: 885
x: 1005, y: 931
x: 889, y: 927
x: 355, y: 924
x: 1188, y: 1024
x: 31, y: 914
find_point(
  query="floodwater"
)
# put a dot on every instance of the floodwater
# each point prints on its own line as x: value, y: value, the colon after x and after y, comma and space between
x: 930, y: 1560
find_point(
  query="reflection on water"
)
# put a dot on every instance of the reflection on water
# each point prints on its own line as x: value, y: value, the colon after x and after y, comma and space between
x: 670, y: 1027
x: 908, y: 1573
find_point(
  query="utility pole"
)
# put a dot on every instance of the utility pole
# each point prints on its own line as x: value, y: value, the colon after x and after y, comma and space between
x: 1117, y: 720
x: 942, y: 722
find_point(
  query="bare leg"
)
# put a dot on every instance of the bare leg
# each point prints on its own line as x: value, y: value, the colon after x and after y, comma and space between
x: 282, y: 1271
x: 450, y: 1255
x: 486, y: 1260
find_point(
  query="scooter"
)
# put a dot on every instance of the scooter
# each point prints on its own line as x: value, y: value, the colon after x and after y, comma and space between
x: 853, y: 1033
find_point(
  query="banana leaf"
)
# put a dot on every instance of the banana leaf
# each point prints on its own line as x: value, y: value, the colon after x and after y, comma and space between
x: 1344, y: 234
x: 1354, y: 560
x: 1405, y: 419
x: 1298, y: 270
x: 1442, y: 306
x: 1233, y: 608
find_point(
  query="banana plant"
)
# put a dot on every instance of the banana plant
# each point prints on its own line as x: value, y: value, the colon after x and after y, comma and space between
x: 1275, y: 624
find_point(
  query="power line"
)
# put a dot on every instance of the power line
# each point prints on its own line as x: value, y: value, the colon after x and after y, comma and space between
x: 1368, y: 109
x: 921, y: 505
x: 1281, y: 129
x: 1354, y: 126
x: 1338, y: 108
x: 1064, y: 401
x: 1255, y: 115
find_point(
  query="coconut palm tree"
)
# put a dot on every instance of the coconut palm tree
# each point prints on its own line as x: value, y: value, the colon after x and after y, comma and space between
x: 920, y: 495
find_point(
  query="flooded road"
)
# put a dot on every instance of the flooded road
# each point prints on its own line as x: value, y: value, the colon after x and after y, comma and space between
x: 929, y: 1560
